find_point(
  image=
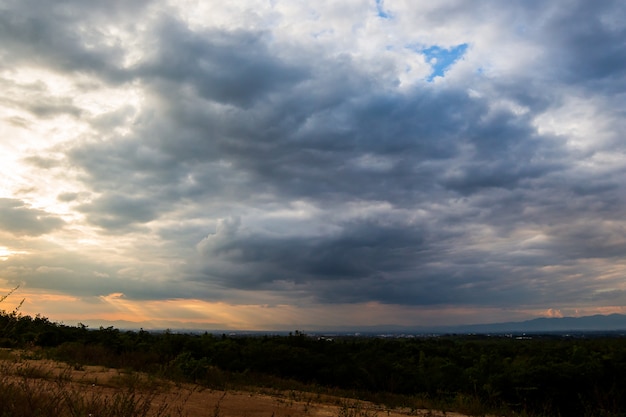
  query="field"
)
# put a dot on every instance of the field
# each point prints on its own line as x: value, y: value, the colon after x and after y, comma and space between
x: 55, y: 388
x: 51, y: 369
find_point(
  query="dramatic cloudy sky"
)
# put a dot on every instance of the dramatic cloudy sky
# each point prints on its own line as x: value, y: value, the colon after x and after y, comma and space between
x: 290, y: 164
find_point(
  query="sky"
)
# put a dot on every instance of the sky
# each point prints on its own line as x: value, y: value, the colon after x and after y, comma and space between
x: 288, y: 164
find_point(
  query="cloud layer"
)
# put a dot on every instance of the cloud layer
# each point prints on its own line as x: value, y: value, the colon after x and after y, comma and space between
x: 454, y: 155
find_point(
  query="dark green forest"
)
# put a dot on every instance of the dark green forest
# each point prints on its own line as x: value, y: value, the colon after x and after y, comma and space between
x: 546, y: 375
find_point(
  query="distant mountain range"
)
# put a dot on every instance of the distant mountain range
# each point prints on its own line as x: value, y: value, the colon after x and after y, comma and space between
x: 612, y: 322
x: 597, y: 323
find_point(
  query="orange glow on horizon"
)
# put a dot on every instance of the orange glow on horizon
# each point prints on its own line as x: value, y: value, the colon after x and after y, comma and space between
x: 195, y: 313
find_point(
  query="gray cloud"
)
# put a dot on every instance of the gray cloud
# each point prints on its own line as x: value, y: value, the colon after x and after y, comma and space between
x: 36, y: 99
x: 587, y: 42
x: 230, y: 67
x: 437, y: 194
x: 83, y: 275
x: 364, y: 249
x: 114, y: 211
x: 316, y: 138
x: 68, y: 35
x: 18, y: 218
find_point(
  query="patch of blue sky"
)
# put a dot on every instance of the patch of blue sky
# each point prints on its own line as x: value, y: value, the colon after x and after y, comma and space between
x: 440, y: 59
x: 381, y: 11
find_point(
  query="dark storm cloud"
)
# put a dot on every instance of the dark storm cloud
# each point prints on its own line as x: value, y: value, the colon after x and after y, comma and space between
x: 321, y: 136
x: 364, y: 249
x: 233, y: 67
x: 17, y: 218
x: 588, y: 42
x: 431, y: 195
x: 433, y: 262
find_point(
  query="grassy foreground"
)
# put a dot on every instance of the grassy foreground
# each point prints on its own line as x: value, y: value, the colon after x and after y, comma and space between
x: 473, y: 375
x: 31, y: 386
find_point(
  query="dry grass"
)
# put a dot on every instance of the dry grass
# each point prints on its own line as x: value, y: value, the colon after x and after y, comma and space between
x: 46, y: 388
x: 38, y: 387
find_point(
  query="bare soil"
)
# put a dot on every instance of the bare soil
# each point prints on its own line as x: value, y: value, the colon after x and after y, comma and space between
x: 193, y: 400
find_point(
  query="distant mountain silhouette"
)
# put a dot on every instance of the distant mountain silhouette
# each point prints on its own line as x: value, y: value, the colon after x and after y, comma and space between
x: 597, y: 322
